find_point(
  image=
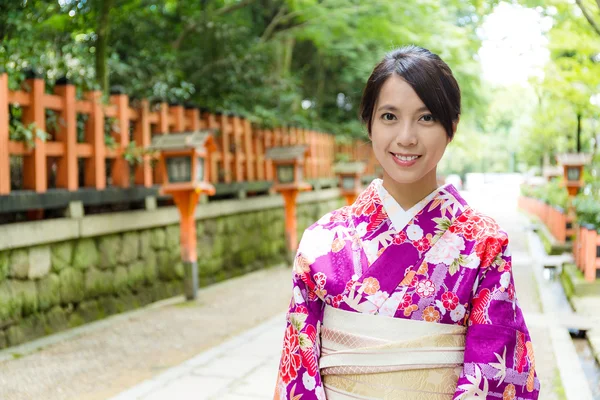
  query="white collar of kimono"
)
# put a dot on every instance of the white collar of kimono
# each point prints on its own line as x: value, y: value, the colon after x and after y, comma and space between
x: 399, y: 217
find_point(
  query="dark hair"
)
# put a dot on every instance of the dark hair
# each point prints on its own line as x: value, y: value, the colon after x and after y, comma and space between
x: 429, y: 76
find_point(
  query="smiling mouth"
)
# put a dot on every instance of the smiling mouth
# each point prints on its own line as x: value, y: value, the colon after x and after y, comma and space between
x: 405, y: 158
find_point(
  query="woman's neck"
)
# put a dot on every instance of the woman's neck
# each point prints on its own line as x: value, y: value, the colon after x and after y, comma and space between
x: 409, y: 194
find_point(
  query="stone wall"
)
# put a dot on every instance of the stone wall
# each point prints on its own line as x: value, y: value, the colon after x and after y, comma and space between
x: 50, y: 286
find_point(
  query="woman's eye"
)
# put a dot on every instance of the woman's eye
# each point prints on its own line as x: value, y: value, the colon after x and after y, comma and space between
x: 388, y: 117
x: 428, y: 118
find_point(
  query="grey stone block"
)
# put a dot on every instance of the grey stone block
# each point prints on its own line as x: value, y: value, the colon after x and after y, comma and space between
x: 110, y: 248
x: 62, y: 255
x: 48, y: 291
x: 39, y: 262
x: 85, y: 254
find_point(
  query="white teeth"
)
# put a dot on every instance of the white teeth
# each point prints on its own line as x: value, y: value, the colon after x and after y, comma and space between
x: 403, y: 158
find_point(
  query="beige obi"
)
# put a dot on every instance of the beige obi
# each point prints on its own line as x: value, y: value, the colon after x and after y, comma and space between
x: 367, y: 356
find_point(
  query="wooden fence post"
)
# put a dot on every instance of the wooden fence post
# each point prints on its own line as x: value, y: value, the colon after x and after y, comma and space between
x: 226, y: 129
x: 4, y: 136
x: 95, y: 166
x: 120, y: 169
x: 142, y: 136
x: 34, y: 165
x: 268, y: 143
x: 249, y: 151
x: 177, y: 112
x: 67, y: 175
x: 237, y: 140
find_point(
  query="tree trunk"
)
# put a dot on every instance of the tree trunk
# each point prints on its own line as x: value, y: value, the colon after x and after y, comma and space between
x: 102, y: 30
x: 579, y: 132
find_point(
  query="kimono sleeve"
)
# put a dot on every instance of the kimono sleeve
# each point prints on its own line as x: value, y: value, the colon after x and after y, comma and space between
x: 499, y: 360
x: 298, y: 375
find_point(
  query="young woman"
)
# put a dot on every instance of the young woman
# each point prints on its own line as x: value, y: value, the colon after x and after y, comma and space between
x: 408, y: 293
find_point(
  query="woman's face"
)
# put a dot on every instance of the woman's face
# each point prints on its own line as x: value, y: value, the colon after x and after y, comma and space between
x: 407, y: 141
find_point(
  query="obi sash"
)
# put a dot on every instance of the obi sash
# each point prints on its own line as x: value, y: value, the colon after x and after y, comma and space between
x: 367, y: 356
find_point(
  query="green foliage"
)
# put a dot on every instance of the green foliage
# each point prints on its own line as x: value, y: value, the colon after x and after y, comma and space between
x: 26, y: 133
x: 569, y: 81
x: 553, y: 193
x: 134, y: 154
x: 587, y: 209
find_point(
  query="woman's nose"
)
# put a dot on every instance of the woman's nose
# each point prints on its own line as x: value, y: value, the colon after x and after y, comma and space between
x: 406, y: 136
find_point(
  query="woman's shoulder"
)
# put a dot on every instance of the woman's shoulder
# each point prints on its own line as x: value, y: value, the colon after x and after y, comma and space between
x: 476, y: 225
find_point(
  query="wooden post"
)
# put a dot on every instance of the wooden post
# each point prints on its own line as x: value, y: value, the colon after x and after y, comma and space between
x: 95, y: 167
x: 268, y: 143
x: 4, y: 135
x: 34, y: 165
x: 67, y: 175
x: 589, y: 272
x: 162, y: 129
x: 120, y: 169
x: 186, y: 204
x: 177, y: 112
x: 248, y: 149
x: 192, y: 115
x: 260, y: 154
x: 237, y: 136
x: 142, y: 136
x: 211, y: 123
x: 289, y: 197
x: 225, y: 132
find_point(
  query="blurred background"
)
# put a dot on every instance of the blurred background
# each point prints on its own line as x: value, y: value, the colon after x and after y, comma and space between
x: 91, y: 269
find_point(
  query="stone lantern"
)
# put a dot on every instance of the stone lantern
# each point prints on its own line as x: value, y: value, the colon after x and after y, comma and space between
x: 573, y: 164
x: 289, y: 167
x: 350, y: 174
x: 185, y: 168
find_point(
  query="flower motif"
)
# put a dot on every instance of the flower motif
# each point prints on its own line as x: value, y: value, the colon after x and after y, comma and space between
x: 425, y: 288
x: 473, y: 261
x: 488, y: 250
x: 320, y: 393
x: 301, y: 310
x: 413, y: 282
x: 298, y: 298
x: 509, y: 392
x: 301, y: 264
x: 365, y: 204
x: 505, y: 279
x: 422, y: 244
x: 338, y: 245
x: 320, y: 279
x: 378, y: 298
x: 400, y: 237
x: 370, y: 285
x: 511, y: 292
x: 406, y: 302
x: 335, y: 301
x: 414, y: 232
x: 450, y: 300
x: 446, y: 250
x: 290, y: 359
x: 430, y: 314
x: 410, y: 309
x: 308, y: 381
x: 350, y: 283
x: 458, y: 313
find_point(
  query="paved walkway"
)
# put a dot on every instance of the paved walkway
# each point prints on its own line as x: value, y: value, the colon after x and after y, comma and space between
x: 178, y: 352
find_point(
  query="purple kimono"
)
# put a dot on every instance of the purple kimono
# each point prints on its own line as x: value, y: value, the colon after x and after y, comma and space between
x: 440, y: 262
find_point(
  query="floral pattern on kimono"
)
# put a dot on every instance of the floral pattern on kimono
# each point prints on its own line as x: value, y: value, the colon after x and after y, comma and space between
x: 440, y: 262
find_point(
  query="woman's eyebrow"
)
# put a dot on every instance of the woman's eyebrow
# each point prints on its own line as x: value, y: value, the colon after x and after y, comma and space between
x: 390, y: 107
